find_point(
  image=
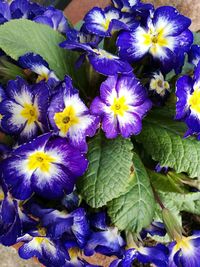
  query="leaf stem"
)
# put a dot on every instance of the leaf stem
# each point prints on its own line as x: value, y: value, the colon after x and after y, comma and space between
x: 157, y: 198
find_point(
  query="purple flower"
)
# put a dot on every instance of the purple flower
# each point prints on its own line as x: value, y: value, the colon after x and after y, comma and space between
x: 101, y: 60
x: 48, y: 252
x: 5, y: 14
x: 121, y: 105
x: 156, y: 255
x: 38, y: 65
x: 188, y: 101
x: 194, y: 55
x: 24, y: 9
x: 53, y: 18
x: 74, y: 226
x: 70, y: 117
x: 24, y: 109
x: 48, y: 167
x: 105, y: 22
x: 185, y: 251
x: 166, y: 38
x: 131, y: 6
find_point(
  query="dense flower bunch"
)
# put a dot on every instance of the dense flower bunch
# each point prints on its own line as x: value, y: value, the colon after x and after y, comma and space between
x: 94, y: 158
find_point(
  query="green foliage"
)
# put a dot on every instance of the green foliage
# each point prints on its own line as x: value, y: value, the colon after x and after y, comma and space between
x: 110, y: 170
x: 18, y: 37
x: 162, y: 138
x: 135, y: 209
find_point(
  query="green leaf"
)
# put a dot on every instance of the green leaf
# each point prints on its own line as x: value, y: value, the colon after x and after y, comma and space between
x: 135, y: 209
x: 110, y: 170
x: 162, y: 138
x: 18, y: 37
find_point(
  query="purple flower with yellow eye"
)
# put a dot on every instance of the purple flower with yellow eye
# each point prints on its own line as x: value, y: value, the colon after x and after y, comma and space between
x: 185, y: 251
x: 188, y: 101
x: 166, y: 38
x: 105, y: 22
x: 23, y: 110
x: 46, y: 166
x: 70, y: 117
x: 39, y: 66
x: 53, y: 18
x: 47, y: 251
x: 121, y: 105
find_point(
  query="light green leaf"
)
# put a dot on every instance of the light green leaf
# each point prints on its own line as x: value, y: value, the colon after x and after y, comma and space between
x: 162, y: 138
x: 135, y: 209
x: 110, y: 170
x: 18, y: 37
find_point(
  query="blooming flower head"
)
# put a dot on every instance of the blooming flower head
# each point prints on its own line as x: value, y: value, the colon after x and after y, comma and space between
x: 185, y: 251
x: 194, y: 55
x: 131, y: 6
x: 47, y: 251
x: 45, y: 166
x: 159, y: 85
x: 165, y: 34
x: 74, y: 226
x: 53, y: 18
x: 38, y: 65
x: 101, y: 60
x: 70, y: 117
x: 105, y: 22
x: 24, y: 109
x: 121, y: 105
x: 188, y: 101
x: 25, y: 9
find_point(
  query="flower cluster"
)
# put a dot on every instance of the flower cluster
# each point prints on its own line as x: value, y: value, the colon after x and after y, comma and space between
x: 129, y: 56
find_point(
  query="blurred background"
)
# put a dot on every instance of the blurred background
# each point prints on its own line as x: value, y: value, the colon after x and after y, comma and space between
x: 74, y: 11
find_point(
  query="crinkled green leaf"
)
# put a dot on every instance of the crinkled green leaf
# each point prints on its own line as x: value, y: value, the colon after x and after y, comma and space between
x: 110, y: 170
x: 134, y: 209
x: 163, y: 139
x: 18, y: 37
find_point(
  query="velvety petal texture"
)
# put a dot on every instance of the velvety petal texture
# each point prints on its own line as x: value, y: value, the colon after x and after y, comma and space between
x: 70, y: 117
x: 48, y: 167
x: 24, y: 109
x: 122, y: 105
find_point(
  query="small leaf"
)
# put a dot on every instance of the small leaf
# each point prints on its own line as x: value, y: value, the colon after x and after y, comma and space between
x: 18, y: 37
x: 110, y: 170
x: 134, y: 210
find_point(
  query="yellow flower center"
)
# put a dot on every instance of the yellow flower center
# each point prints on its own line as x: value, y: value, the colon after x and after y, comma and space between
x: 41, y: 77
x: 183, y: 244
x: 39, y: 240
x: 119, y: 106
x: 155, y: 39
x: 30, y: 113
x: 194, y: 100
x: 65, y: 119
x: 73, y: 253
x: 106, y: 24
x: 40, y: 160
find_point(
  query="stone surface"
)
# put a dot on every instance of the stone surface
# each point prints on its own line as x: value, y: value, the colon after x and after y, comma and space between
x: 9, y: 258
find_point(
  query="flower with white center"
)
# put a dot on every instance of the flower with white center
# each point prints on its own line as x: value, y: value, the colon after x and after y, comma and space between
x: 70, y: 117
x: 165, y: 38
x: 158, y: 85
x: 188, y: 101
x: 122, y: 105
x: 185, y: 251
x: 48, y: 167
x: 24, y: 109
